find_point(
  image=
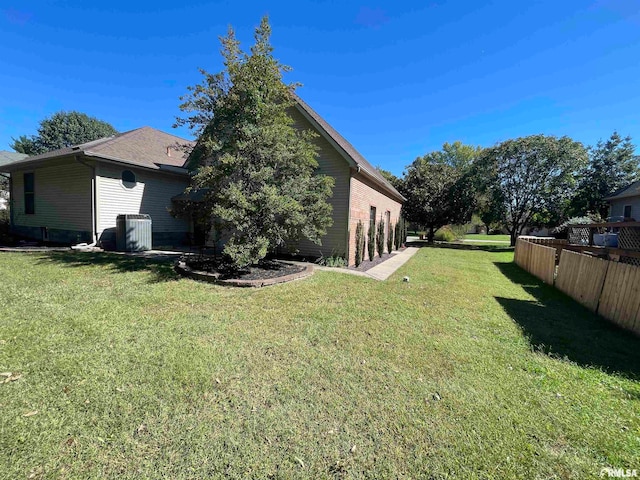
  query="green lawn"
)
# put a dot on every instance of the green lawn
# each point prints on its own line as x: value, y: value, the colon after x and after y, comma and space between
x: 470, y: 370
x: 483, y: 237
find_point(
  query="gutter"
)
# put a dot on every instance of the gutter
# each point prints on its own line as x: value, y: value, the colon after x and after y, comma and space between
x: 94, y: 200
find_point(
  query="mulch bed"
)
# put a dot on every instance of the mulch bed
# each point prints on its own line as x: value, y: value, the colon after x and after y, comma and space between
x: 267, y: 272
x: 377, y: 260
x: 262, y: 271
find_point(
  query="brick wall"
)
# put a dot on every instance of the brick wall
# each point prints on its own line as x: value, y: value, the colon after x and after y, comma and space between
x: 364, y: 195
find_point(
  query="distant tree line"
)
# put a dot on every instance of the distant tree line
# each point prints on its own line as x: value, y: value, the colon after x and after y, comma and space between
x: 537, y: 180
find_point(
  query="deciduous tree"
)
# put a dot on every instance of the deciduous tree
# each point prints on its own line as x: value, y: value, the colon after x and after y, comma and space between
x: 437, y: 194
x: 528, y: 176
x: 63, y: 129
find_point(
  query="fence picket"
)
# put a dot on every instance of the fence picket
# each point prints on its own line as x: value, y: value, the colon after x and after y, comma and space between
x: 611, y: 289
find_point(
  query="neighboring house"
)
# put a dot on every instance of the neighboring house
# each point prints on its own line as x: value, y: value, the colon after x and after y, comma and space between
x: 7, y: 157
x: 625, y: 202
x: 75, y: 194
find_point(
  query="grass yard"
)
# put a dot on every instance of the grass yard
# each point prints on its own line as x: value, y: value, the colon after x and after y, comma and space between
x: 470, y: 237
x: 473, y: 370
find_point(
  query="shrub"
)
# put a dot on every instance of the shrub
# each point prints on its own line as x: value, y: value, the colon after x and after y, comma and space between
x: 363, y: 244
x: 396, y: 238
x: 403, y: 232
x: 588, y: 218
x: 334, y: 261
x: 372, y: 240
x: 390, y: 238
x: 359, y: 242
x: 459, y: 231
x: 380, y: 238
x: 444, y: 234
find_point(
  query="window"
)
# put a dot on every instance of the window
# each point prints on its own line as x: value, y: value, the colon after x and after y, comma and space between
x: 372, y: 216
x: 29, y: 193
x: 128, y: 179
x: 627, y: 211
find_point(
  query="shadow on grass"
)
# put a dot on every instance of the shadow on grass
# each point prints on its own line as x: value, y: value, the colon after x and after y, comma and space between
x: 560, y: 327
x: 160, y: 268
x: 461, y: 246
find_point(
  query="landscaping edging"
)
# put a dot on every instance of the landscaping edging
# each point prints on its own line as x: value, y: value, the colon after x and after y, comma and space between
x: 183, y: 269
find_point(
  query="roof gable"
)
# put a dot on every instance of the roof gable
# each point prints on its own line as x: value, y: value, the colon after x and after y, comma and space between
x: 632, y: 190
x: 347, y: 150
x: 144, y: 147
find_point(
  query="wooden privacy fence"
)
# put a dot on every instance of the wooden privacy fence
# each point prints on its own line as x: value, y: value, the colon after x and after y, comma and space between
x: 611, y: 289
x: 536, y: 259
x: 581, y: 277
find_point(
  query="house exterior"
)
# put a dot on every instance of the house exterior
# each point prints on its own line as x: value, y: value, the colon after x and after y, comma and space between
x: 360, y: 191
x: 5, y: 158
x: 74, y: 194
x: 625, y: 202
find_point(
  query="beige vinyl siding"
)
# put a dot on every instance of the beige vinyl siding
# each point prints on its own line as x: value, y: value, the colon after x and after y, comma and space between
x: 330, y: 163
x: 151, y: 195
x: 62, y: 197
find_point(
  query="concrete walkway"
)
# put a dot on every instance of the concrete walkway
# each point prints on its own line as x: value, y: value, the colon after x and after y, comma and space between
x: 384, y: 270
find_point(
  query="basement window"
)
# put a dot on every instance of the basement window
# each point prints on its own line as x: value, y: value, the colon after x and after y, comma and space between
x: 29, y: 193
x: 128, y: 179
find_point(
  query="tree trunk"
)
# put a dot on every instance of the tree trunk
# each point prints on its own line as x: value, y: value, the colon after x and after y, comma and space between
x: 513, y: 238
x: 432, y: 233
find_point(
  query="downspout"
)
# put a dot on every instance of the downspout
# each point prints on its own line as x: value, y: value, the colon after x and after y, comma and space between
x: 94, y: 206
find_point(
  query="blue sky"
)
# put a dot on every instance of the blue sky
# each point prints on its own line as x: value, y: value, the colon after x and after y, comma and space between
x: 397, y: 79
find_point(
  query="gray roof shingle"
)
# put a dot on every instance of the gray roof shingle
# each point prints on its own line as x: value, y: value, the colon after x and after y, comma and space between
x: 632, y: 190
x: 10, y: 157
x: 143, y: 147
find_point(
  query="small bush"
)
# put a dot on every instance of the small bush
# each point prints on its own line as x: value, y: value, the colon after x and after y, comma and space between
x: 380, y: 238
x: 334, y: 261
x: 396, y: 237
x: 588, y: 218
x: 403, y: 232
x: 390, y: 238
x: 459, y: 231
x: 359, y: 243
x: 444, y: 234
x: 371, y: 239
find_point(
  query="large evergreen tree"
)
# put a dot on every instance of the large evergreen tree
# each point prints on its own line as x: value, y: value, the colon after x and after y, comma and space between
x: 63, y: 129
x: 257, y: 169
x: 612, y: 166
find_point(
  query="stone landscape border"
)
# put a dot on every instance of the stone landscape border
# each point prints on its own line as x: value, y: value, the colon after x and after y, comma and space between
x: 183, y: 269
